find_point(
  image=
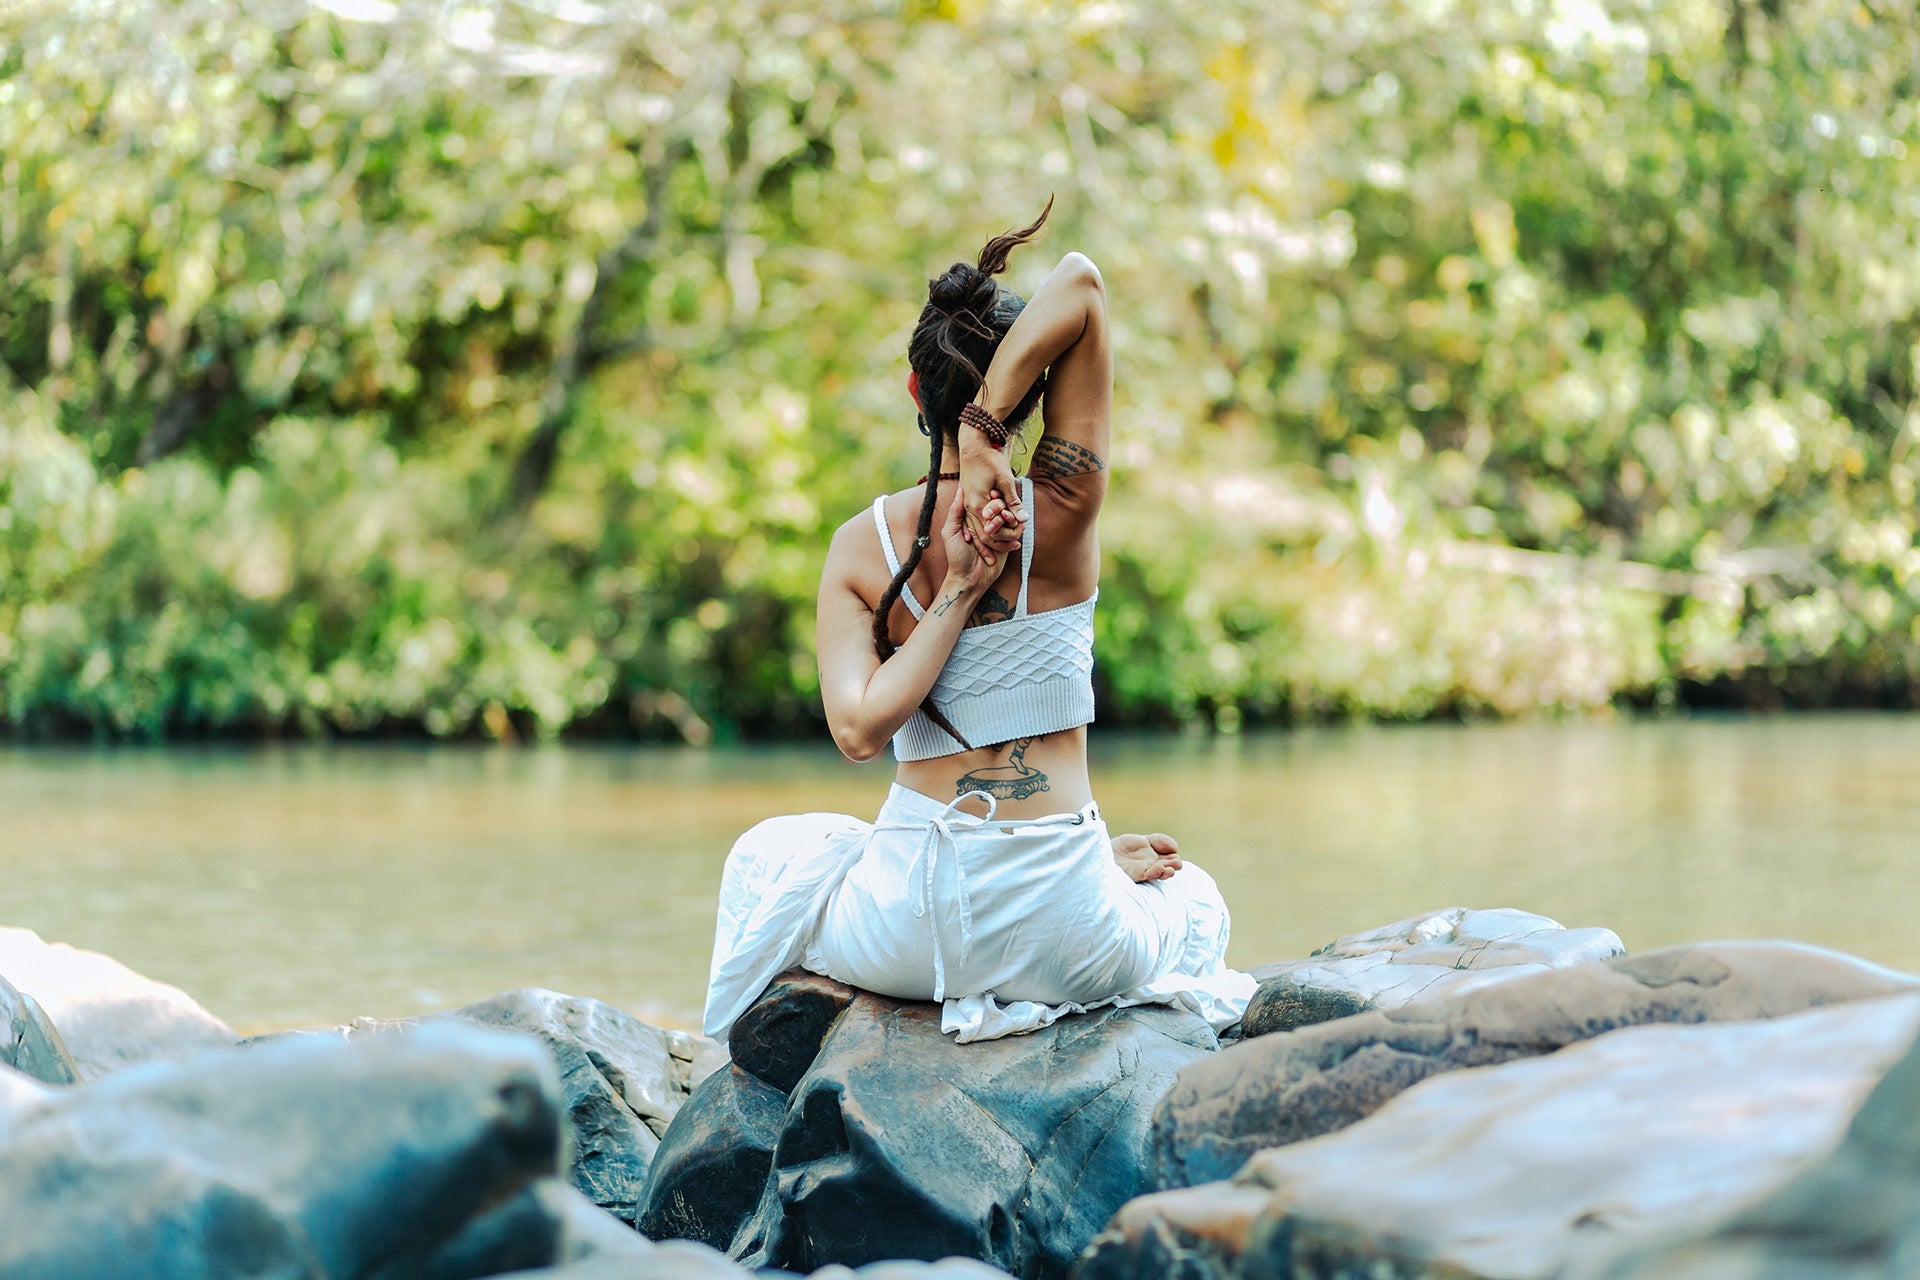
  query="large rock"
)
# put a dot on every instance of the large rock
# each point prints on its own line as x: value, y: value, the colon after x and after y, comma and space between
x: 427, y: 1156
x: 1853, y: 1216
x: 1277, y: 1089
x: 622, y: 1080
x: 900, y: 1143
x: 711, y: 1169
x: 896, y: 1142
x: 109, y: 1016
x: 1544, y: 1169
x: 29, y: 1043
x: 1437, y: 953
x: 683, y: 1260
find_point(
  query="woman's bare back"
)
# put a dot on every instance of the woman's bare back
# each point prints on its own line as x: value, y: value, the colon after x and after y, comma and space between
x: 1029, y: 776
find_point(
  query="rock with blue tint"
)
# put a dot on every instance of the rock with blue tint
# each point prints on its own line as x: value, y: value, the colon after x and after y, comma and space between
x: 621, y: 1079
x: 900, y: 1143
x: 896, y: 1142
x: 711, y: 1170
x: 409, y: 1157
x: 779, y: 1036
x: 682, y: 1260
x: 29, y: 1043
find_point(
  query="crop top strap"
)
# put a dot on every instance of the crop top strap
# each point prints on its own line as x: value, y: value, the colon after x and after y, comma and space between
x: 1026, y: 547
x: 893, y: 561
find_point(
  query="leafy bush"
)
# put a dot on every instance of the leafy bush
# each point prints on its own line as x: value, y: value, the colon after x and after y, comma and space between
x: 484, y: 370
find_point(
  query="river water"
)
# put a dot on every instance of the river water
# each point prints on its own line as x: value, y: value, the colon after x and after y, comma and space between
x: 290, y: 886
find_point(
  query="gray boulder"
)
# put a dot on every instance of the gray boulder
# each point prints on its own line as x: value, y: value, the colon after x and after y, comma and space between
x: 900, y: 1143
x: 1277, y: 1089
x: 622, y: 1081
x: 1433, y: 954
x: 109, y: 1016
x: 428, y: 1156
x: 683, y: 1260
x: 28, y: 1041
x: 895, y: 1142
x: 1561, y: 1167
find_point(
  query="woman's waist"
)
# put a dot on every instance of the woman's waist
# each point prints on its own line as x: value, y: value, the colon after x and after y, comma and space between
x: 1027, y: 778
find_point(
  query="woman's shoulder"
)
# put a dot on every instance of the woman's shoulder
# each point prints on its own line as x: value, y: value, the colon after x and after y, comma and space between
x: 855, y: 536
x: 854, y: 555
x: 859, y: 530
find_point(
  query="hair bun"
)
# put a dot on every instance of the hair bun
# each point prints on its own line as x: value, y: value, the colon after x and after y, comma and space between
x: 964, y: 287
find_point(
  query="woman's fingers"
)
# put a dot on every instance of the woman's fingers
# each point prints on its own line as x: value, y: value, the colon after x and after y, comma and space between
x: 1164, y: 844
x: 954, y: 530
x: 956, y: 513
x: 1000, y: 524
x: 985, y: 478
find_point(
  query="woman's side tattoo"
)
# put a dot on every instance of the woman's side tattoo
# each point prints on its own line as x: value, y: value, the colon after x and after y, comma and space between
x: 1010, y: 781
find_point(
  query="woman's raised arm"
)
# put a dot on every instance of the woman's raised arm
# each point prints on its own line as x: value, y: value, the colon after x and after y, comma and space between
x: 1063, y: 334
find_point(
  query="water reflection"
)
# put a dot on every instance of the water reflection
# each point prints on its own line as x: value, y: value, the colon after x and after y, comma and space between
x: 301, y: 885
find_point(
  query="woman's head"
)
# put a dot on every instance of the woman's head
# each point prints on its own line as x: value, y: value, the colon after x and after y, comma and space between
x: 960, y: 327
x: 966, y: 316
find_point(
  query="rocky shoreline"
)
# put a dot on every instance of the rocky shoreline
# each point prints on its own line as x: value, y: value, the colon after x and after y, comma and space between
x: 1460, y: 1094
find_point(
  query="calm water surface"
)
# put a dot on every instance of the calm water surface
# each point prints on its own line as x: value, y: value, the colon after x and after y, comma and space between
x: 305, y: 885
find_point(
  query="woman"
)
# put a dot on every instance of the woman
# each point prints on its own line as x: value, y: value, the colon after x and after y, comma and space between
x: 988, y: 881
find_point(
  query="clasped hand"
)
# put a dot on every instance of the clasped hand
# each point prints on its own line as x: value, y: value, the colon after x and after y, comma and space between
x: 994, y: 517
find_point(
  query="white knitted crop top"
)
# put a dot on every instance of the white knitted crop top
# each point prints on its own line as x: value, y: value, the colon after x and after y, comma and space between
x: 1029, y: 675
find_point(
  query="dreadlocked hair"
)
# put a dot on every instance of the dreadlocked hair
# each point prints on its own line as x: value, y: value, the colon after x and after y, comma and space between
x: 966, y: 316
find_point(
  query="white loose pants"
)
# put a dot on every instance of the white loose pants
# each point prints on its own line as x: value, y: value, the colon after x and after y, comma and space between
x: 1012, y: 924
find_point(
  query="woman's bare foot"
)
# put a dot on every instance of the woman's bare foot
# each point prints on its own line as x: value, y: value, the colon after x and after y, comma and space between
x: 1145, y: 858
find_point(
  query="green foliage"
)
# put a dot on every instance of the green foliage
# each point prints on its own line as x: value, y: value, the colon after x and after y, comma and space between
x: 502, y: 369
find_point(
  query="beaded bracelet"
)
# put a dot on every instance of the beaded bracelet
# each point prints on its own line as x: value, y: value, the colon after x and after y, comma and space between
x: 996, y: 431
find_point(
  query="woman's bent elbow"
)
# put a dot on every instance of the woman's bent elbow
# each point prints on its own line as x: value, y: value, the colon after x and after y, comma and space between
x: 854, y: 744
x: 1079, y: 268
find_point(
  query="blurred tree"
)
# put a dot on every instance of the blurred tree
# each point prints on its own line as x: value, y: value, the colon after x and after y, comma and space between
x: 499, y: 367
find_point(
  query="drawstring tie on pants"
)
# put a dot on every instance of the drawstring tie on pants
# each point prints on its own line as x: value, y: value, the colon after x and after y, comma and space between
x: 940, y: 836
x: 941, y: 832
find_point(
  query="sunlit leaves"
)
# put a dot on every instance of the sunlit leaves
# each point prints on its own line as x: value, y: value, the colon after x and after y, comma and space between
x: 1587, y: 326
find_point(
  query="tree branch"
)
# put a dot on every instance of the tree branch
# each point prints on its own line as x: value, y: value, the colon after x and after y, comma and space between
x: 580, y: 354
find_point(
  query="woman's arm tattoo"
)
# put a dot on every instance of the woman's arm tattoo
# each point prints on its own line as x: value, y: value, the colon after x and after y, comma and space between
x: 1062, y: 458
x: 940, y: 610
